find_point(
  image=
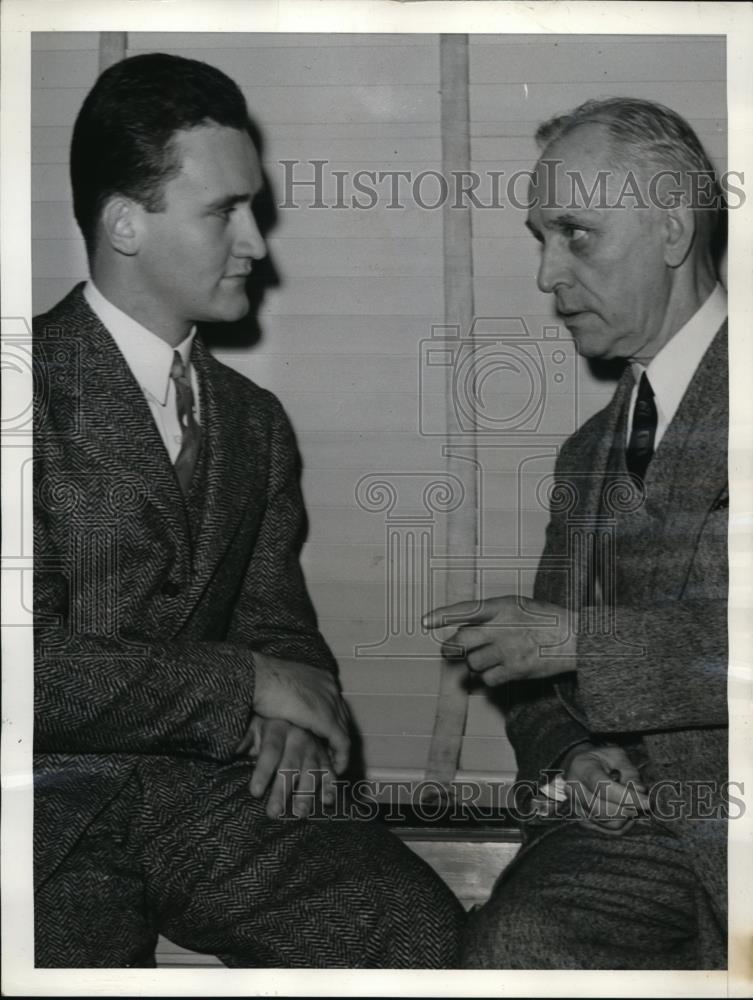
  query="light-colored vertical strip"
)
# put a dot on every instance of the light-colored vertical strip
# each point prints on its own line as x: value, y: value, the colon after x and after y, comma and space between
x: 112, y: 48
x: 452, y: 706
x: 15, y: 412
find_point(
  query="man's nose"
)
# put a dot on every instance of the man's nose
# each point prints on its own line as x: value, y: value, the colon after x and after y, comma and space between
x: 249, y: 241
x: 553, y: 269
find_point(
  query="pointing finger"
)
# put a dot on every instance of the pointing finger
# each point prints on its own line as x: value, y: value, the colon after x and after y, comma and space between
x: 451, y: 614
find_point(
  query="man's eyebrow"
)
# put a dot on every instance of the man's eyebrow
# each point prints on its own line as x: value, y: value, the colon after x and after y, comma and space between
x: 229, y: 201
x: 571, y: 219
x: 577, y: 220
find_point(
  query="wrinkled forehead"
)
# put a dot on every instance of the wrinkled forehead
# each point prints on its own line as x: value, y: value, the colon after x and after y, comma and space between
x: 581, y: 170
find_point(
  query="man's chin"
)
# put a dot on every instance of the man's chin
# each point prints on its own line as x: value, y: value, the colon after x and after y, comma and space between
x: 230, y: 310
x: 590, y: 339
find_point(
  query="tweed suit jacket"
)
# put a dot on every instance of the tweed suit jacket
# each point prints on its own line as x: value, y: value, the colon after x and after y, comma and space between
x: 659, y: 686
x: 148, y: 606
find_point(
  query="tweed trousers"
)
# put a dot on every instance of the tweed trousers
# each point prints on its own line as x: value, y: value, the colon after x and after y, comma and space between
x: 211, y: 872
x: 577, y: 897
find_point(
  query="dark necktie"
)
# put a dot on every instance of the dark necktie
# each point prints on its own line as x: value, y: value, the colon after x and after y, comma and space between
x: 641, y: 445
x: 189, y: 449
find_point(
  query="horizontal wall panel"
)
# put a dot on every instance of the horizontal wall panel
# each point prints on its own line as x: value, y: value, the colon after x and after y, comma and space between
x: 409, y: 715
x: 363, y: 104
x: 408, y: 336
x: 50, y: 136
x: 508, y: 297
x: 509, y: 490
x: 321, y: 64
x: 478, y: 753
x: 357, y: 410
x: 69, y: 41
x: 340, y: 450
x: 348, y: 526
x: 330, y: 258
x: 501, y: 528
x: 161, y: 41
x: 597, y: 41
x: 354, y: 562
x: 371, y: 296
x: 364, y: 257
x: 375, y: 676
x: 490, y: 150
x: 490, y: 753
x: 414, y: 714
x: 350, y: 146
x: 510, y: 102
x: 58, y: 70
x: 341, y: 373
x: 607, y: 62
x: 334, y: 129
x: 284, y: 104
x: 333, y: 335
x: 51, y: 182
x: 59, y: 258
x: 53, y: 220
x: 333, y: 223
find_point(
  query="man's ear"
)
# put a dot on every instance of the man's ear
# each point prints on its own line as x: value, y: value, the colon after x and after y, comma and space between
x: 679, y: 233
x: 121, y: 221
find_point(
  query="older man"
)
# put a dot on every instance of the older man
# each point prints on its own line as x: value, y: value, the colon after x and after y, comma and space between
x: 616, y: 670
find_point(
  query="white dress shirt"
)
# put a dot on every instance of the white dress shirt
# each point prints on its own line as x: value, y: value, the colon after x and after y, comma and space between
x: 150, y: 358
x: 671, y: 370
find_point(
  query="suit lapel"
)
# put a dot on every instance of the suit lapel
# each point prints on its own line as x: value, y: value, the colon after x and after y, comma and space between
x: 689, y: 470
x: 116, y: 427
x: 235, y: 464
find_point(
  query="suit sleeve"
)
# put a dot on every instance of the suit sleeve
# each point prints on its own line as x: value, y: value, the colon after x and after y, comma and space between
x: 539, y: 724
x: 94, y: 694
x: 274, y: 612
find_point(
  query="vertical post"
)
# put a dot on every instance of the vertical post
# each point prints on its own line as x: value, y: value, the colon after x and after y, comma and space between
x: 112, y: 48
x: 452, y: 706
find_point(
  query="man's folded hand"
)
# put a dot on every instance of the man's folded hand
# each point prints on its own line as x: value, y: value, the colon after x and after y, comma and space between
x: 292, y: 763
x: 305, y: 696
x: 604, y: 785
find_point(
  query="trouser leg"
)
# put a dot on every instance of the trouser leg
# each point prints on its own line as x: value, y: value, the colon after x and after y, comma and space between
x: 91, y: 912
x: 581, y: 899
x: 225, y: 879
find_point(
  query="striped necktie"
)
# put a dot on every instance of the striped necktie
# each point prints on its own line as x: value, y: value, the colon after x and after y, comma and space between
x: 640, y: 448
x: 189, y: 448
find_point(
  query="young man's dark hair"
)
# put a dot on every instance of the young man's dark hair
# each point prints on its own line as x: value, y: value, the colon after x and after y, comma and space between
x: 122, y: 139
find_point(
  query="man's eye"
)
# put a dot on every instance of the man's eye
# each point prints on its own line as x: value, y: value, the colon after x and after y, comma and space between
x: 575, y: 233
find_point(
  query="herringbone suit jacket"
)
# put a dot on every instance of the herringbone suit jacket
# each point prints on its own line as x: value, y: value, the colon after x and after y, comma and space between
x: 148, y: 606
x: 655, y: 680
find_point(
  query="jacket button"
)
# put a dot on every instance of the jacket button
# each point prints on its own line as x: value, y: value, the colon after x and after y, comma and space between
x: 170, y: 588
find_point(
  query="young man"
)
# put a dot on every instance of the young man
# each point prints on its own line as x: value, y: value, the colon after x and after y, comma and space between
x: 175, y: 637
x: 617, y: 669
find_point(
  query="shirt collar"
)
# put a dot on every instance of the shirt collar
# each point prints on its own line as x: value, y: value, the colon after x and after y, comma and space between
x: 148, y: 356
x: 671, y: 370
